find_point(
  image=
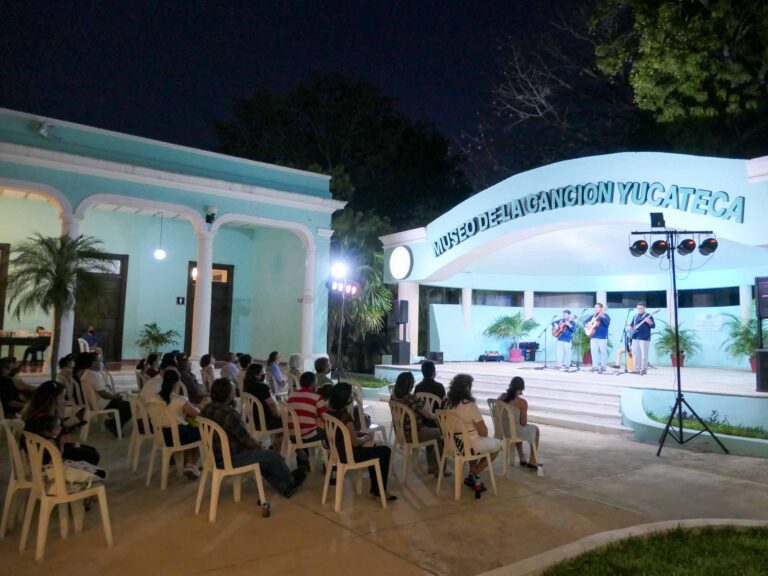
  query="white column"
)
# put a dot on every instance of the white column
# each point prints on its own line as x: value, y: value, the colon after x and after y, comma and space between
x: 745, y: 302
x: 602, y: 297
x: 70, y: 226
x: 308, y: 304
x: 201, y: 315
x: 528, y: 304
x: 466, y: 305
x: 410, y: 291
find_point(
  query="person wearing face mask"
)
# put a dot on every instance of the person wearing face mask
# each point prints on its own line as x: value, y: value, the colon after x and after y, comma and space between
x: 92, y: 340
x: 254, y: 383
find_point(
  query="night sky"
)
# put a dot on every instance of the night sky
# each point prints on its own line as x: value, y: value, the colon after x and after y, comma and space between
x: 166, y: 69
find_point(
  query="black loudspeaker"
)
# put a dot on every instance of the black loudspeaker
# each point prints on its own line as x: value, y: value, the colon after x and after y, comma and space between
x: 401, y: 352
x: 436, y: 357
x: 761, y: 296
x: 761, y: 360
x: 400, y: 311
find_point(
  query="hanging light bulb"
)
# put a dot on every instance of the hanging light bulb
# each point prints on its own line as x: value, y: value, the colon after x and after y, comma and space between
x: 160, y: 253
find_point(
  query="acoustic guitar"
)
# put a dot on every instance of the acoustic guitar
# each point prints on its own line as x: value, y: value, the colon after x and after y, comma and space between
x: 591, y: 326
x: 634, y: 328
x: 559, y: 328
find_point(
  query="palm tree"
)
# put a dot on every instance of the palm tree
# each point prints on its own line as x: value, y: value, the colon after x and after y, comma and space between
x: 53, y: 273
x: 152, y: 337
x: 511, y: 327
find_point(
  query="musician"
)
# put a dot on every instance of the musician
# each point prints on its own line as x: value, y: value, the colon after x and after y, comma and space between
x: 565, y: 326
x: 599, y: 343
x: 641, y: 327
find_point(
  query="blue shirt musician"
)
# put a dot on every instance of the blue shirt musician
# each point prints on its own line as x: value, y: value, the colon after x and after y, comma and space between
x: 640, y: 332
x: 597, y: 326
x: 562, y: 330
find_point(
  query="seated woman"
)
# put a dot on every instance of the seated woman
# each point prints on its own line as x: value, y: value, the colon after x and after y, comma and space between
x: 525, y: 432
x: 463, y: 405
x: 151, y: 366
x: 181, y: 409
x: 254, y: 383
x: 48, y: 400
x: 294, y: 370
x: 403, y: 393
x: 273, y: 366
x: 207, y: 374
x: 341, y: 398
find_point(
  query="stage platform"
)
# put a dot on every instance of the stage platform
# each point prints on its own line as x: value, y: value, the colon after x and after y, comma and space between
x: 582, y: 399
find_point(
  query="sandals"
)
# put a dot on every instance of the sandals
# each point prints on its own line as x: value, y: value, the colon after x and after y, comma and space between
x: 529, y: 466
x: 470, y: 481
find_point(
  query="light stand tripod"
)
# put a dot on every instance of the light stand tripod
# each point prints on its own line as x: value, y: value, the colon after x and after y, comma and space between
x: 677, y: 435
x: 339, y: 358
x: 544, y: 332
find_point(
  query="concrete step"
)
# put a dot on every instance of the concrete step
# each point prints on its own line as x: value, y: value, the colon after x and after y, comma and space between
x: 536, y: 396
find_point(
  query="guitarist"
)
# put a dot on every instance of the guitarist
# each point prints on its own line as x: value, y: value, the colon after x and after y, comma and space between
x: 563, y: 330
x: 641, y: 327
x: 598, y: 324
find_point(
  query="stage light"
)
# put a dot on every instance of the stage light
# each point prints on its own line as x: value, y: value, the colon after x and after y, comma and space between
x: 708, y: 246
x: 686, y: 247
x: 339, y: 271
x: 659, y: 248
x: 639, y: 248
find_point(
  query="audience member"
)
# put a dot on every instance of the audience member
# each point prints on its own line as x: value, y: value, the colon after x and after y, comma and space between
x: 273, y: 367
x: 243, y: 361
x: 254, y: 384
x: 207, y: 372
x: 243, y: 447
x: 32, y: 351
x: 324, y: 384
x: 153, y: 385
x: 403, y: 394
x: 66, y: 375
x: 152, y: 365
x: 197, y: 394
x: 49, y: 400
x: 94, y: 380
x: 428, y: 383
x: 93, y: 341
x: 182, y: 410
x: 10, y: 396
x: 309, y: 407
x: 231, y: 368
x: 525, y: 431
x: 341, y: 398
x: 463, y: 405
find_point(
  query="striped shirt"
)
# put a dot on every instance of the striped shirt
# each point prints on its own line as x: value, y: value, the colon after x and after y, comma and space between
x: 309, y: 405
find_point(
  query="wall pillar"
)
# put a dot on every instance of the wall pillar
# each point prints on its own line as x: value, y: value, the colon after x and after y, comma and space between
x: 602, y: 297
x: 70, y: 226
x: 466, y: 305
x: 410, y: 291
x: 308, y: 304
x: 745, y: 302
x: 201, y: 315
x: 528, y: 304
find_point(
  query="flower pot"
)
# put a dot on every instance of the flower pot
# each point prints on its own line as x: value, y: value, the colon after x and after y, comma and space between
x: 753, y: 363
x: 515, y: 355
x: 587, y: 359
x: 674, y: 360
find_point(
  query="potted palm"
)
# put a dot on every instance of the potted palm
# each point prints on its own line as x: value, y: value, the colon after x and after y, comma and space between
x: 153, y: 338
x: 665, y: 343
x: 742, y: 338
x: 52, y: 273
x: 511, y: 328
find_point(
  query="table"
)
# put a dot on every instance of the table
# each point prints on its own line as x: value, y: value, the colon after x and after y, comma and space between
x: 13, y: 341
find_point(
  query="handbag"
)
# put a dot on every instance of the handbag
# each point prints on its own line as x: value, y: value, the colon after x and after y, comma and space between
x: 78, y: 475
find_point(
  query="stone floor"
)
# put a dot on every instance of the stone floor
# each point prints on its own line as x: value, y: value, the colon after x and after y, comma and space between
x: 592, y: 483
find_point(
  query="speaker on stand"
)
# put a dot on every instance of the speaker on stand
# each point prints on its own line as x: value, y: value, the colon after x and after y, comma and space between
x: 401, y: 348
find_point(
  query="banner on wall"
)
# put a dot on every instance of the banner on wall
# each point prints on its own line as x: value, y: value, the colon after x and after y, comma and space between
x: 708, y: 322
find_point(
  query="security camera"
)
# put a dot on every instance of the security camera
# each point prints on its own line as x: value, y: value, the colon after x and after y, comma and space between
x: 210, y: 214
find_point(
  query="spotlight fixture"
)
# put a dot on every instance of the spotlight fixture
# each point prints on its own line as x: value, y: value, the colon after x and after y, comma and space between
x: 639, y: 248
x: 348, y: 288
x: 160, y: 253
x: 339, y: 271
x: 686, y: 247
x: 708, y: 246
x: 659, y: 248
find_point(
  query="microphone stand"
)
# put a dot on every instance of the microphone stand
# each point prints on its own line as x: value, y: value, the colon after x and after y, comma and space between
x: 578, y: 341
x: 626, y: 346
x: 544, y: 332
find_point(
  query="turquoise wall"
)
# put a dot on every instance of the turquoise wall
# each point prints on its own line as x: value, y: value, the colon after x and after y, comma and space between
x: 459, y: 342
x: 268, y: 278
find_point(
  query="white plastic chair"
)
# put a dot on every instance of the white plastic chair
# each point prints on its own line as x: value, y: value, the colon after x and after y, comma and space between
x: 160, y: 417
x: 139, y: 379
x: 359, y: 408
x: 36, y: 448
x: 255, y: 419
x: 279, y: 390
x: 431, y: 401
x: 334, y: 426
x: 292, y: 440
x: 293, y: 381
x: 399, y: 414
x: 84, y: 347
x: 506, y: 418
x: 457, y: 447
x: 183, y: 390
x: 92, y: 411
x: 140, y: 419
x: 20, y: 478
x: 208, y: 432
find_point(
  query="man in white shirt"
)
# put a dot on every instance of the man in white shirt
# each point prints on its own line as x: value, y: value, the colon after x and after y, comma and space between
x: 152, y: 386
x: 231, y: 369
x: 94, y: 383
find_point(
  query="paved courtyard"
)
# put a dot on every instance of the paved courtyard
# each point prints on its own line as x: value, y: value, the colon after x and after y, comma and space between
x: 592, y: 483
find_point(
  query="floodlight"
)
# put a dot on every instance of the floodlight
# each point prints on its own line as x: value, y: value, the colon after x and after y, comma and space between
x: 160, y: 254
x: 339, y: 271
x: 686, y: 247
x: 708, y: 246
x: 639, y: 248
x: 659, y: 248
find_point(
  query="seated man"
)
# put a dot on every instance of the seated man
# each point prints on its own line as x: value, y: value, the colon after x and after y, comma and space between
x: 92, y: 340
x: 32, y: 351
x: 195, y: 390
x: 10, y: 396
x: 428, y: 383
x: 310, y: 407
x: 244, y: 448
x: 231, y: 368
x: 94, y: 380
x: 323, y: 383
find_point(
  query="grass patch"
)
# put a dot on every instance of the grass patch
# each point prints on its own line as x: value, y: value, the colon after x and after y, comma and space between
x: 370, y: 382
x: 717, y: 424
x: 680, y: 552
